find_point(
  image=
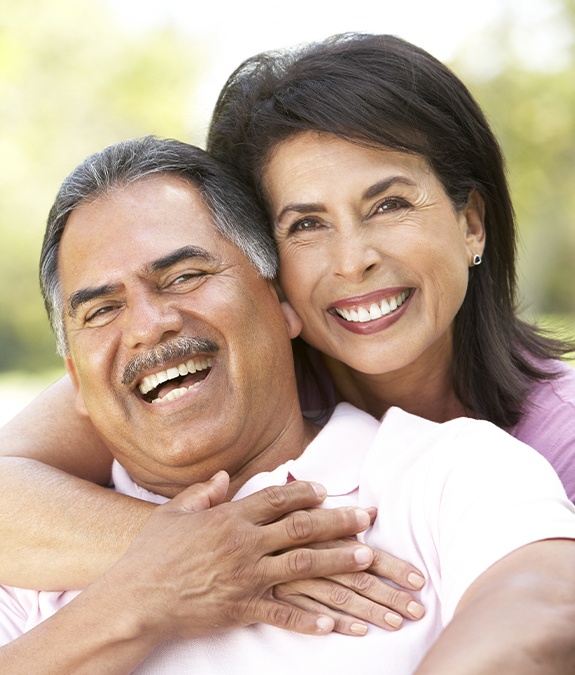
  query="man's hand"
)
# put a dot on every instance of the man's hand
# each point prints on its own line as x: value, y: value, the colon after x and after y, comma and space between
x: 190, y: 572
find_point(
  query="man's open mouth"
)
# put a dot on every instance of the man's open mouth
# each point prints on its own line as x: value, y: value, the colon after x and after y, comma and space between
x: 176, y: 381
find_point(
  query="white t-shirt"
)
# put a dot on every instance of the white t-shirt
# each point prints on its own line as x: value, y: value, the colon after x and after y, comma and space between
x: 452, y: 499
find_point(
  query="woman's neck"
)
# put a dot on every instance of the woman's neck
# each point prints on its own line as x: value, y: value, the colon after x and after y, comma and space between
x: 423, y: 388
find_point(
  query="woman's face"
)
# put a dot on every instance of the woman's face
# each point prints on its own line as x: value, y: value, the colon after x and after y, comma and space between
x: 373, y: 256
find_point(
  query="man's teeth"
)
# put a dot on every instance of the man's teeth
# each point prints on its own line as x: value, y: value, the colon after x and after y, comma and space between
x: 375, y: 310
x: 190, y: 367
x: 175, y: 393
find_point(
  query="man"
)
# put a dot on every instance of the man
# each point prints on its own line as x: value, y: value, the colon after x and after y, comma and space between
x: 179, y: 351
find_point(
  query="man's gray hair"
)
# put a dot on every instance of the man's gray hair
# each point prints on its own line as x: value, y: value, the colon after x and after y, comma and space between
x: 234, y: 211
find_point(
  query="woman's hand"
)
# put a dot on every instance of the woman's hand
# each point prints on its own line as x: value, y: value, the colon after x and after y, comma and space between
x: 356, y: 598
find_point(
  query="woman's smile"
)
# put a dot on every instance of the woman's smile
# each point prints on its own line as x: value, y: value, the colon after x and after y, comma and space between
x: 373, y: 255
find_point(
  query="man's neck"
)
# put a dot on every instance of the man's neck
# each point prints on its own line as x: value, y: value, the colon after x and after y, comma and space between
x: 290, y: 444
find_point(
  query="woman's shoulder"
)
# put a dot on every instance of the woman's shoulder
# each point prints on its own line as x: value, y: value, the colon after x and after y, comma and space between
x: 555, y: 394
x: 548, y: 422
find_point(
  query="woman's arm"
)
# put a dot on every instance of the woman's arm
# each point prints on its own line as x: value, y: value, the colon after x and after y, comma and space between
x: 517, y: 618
x: 59, y: 529
x: 51, y: 431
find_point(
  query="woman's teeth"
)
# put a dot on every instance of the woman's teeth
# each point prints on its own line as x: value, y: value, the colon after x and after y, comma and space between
x: 375, y: 310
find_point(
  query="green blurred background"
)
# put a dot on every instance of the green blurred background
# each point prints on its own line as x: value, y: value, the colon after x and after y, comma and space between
x: 75, y: 75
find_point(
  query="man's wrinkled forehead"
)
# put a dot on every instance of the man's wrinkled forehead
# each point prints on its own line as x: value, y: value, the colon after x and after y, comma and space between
x: 167, y: 222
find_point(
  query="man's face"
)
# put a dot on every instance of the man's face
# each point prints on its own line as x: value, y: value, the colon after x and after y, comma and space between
x: 153, y: 293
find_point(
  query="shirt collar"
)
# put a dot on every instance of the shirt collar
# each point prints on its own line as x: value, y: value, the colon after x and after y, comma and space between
x: 334, y: 458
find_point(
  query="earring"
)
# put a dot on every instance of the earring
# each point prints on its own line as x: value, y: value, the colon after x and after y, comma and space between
x: 476, y: 259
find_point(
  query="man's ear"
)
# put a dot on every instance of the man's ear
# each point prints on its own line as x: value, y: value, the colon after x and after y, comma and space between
x: 279, y: 291
x: 474, y: 214
x: 292, y: 319
x: 71, y: 368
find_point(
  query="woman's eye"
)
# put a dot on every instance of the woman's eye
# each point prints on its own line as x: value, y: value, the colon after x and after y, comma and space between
x: 303, y: 225
x: 391, y: 204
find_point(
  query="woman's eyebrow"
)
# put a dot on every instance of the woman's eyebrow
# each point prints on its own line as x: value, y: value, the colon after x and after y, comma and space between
x: 383, y: 185
x: 372, y: 191
x: 301, y: 207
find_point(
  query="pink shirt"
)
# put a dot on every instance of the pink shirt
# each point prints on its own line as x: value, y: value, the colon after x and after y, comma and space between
x: 441, y: 505
x: 548, y: 424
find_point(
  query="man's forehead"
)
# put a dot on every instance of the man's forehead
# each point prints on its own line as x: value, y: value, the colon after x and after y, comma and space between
x: 157, y: 207
x: 147, y: 225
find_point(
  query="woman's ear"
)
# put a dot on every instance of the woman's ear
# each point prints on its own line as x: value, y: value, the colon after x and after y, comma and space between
x: 474, y: 214
x: 71, y: 368
x: 293, y: 322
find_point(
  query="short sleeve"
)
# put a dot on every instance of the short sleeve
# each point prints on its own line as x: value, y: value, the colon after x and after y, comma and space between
x: 498, y: 495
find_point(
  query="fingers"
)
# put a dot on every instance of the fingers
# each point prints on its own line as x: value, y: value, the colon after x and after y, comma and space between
x: 293, y: 618
x: 343, y: 623
x: 368, y: 597
x: 352, y: 608
x: 385, y: 565
x: 203, y: 496
x: 315, y: 525
x: 272, y: 503
x: 400, y: 572
x: 365, y: 595
x: 305, y: 563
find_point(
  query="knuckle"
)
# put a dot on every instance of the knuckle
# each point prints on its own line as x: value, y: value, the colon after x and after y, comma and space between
x: 240, y: 574
x: 374, y: 613
x: 282, y: 592
x: 363, y: 582
x: 340, y: 596
x: 275, y: 496
x: 239, y: 542
x: 395, y: 598
x: 300, y: 526
x: 283, y: 615
x: 389, y: 566
x: 300, y: 562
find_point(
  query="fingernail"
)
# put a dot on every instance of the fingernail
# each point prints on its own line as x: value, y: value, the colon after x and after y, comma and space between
x: 363, y: 555
x: 394, y: 620
x: 319, y: 490
x: 358, y: 628
x: 324, y: 624
x: 363, y: 518
x: 416, y: 580
x: 415, y: 609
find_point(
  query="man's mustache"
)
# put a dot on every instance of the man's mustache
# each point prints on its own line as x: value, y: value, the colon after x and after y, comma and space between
x: 177, y: 348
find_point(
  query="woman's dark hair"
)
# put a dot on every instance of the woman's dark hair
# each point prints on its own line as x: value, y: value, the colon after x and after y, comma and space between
x: 380, y: 91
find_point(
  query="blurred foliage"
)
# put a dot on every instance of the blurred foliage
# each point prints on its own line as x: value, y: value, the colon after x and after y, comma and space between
x: 528, y: 92
x: 72, y: 80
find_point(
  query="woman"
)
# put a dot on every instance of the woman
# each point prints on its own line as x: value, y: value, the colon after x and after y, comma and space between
x: 385, y: 185
x: 395, y: 230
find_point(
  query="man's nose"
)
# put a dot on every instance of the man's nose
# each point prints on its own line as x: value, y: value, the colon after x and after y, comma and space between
x: 150, y: 319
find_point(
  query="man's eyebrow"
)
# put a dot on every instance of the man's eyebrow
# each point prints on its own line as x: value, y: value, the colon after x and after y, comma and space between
x: 184, y: 253
x: 84, y: 295
x: 372, y: 191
